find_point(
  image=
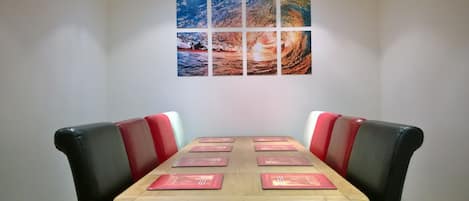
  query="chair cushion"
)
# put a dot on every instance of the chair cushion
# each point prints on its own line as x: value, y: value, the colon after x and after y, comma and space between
x: 97, y: 158
x: 322, y: 134
x: 380, y: 157
x: 139, y: 146
x: 310, y: 126
x: 340, y: 146
x: 178, y: 131
x: 163, y: 136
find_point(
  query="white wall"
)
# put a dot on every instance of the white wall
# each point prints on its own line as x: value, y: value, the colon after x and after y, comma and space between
x: 143, y: 75
x: 425, y: 69
x: 52, y: 74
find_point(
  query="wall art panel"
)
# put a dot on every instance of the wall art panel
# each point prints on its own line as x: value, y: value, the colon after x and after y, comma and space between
x: 192, y: 54
x: 296, y: 52
x: 261, y: 13
x: 191, y: 13
x: 296, y: 13
x: 262, y: 53
x: 227, y: 53
x: 226, y: 13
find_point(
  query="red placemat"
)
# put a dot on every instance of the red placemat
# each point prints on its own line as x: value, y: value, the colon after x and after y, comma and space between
x: 283, y: 161
x: 269, y: 147
x: 216, y: 140
x: 187, y: 182
x: 215, y: 148
x: 271, y: 139
x: 218, y: 161
x: 296, y: 181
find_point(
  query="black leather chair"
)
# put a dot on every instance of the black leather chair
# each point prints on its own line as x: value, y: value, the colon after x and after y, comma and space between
x: 380, y: 156
x: 98, y: 160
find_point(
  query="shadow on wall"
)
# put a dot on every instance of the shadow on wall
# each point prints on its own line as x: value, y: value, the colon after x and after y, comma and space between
x: 348, y: 32
x: 141, y: 18
x: 34, y: 21
x: 342, y: 20
x: 414, y: 18
x: 424, y: 77
x: 52, y: 71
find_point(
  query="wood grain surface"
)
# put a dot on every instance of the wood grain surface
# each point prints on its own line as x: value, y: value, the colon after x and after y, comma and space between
x: 242, y: 178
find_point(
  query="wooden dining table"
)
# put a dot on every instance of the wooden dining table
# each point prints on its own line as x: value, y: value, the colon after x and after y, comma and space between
x: 242, y: 177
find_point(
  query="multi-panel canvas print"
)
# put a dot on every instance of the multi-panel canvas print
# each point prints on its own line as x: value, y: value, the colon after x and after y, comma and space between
x: 243, y: 37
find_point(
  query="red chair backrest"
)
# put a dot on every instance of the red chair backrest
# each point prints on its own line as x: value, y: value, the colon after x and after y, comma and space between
x: 322, y: 134
x: 342, y: 139
x: 139, y: 147
x: 163, y: 136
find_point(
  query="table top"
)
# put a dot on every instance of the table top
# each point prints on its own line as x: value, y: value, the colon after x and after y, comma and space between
x: 242, y: 177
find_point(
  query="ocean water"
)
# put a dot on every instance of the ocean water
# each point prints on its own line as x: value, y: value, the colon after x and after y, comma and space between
x: 192, y: 63
x: 262, y: 53
x: 191, y: 13
x: 262, y: 67
x: 296, y: 13
x: 296, y: 52
x: 261, y: 13
x: 227, y: 63
x: 227, y: 53
x: 226, y: 13
x: 227, y: 41
x: 192, y: 40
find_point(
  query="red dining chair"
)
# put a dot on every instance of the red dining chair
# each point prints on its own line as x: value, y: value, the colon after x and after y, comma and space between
x: 163, y: 136
x: 342, y: 139
x: 322, y: 134
x: 139, y: 146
